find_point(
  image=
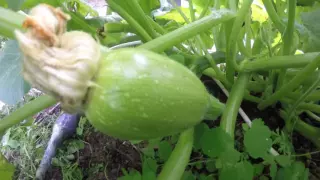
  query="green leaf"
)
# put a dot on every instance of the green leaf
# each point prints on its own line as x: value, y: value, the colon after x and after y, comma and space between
x: 258, y: 169
x: 257, y: 140
x: 165, y: 150
x: 149, y: 169
x: 6, y: 169
x: 74, y: 146
x: 179, y: 58
x: 3, y: 3
x: 199, y: 165
x: 132, y: 175
x: 311, y: 21
x: 187, y: 175
x: 12, y: 85
x: 229, y: 157
x: 205, y: 177
x: 211, y: 166
x: 246, y: 170
x: 228, y: 173
x: 263, y: 178
x: 31, y: 3
x: 215, y: 141
x: 273, y: 170
x: 198, y: 132
x: 83, y: 8
x: 296, y: 171
x: 15, y: 4
x: 239, y: 171
x: 80, y: 127
x: 245, y: 126
x: 283, y: 160
x: 174, y: 15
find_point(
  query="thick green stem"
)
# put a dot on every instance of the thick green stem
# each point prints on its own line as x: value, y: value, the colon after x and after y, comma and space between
x: 273, y: 15
x: 26, y: 111
x: 229, y: 116
x: 277, y: 62
x: 302, y: 98
x: 288, y: 38
x: 192, y: 14
x: 314, y: 96
x: 243, y: 50
x: 205, y: 9
x: 179, y: 158
x: 232, y: 4
x: 9, y: 21
x: 248, y: 33
x: 145, y: 36
x: 292, y: 84
x: 232, y: 41
x: 309, y: 106
x: 288, y: 35
x: 179, y: 35
x: 308, y: 131
x: 139, y: 13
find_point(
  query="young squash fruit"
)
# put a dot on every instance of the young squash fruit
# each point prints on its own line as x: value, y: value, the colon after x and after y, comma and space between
x: 142, y: 94
x: 128, y: 93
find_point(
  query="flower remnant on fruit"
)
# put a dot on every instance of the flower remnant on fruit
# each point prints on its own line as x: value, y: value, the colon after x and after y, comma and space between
x: 58, y: 62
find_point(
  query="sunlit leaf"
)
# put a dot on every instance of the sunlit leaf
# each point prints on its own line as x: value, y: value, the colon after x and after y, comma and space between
x: 174, y: 15
x: 12, y: 85
x: 258, y: 12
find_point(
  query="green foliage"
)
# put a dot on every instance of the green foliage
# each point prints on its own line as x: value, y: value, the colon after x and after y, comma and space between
x: 311, y: 21
x: 260, y: 39
x: 258, y: 133
x: 165, y: 150
x: 149, y: 5
x: 296, y: 171
x: 13, y: 86
x: 215, y: 141
x: 149, y: 168
x: 15, y: 4
x: 6, y: 169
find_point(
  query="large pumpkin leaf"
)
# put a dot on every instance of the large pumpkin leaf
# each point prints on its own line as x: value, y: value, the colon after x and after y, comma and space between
x: 12, y: 85
x: 311, y: 21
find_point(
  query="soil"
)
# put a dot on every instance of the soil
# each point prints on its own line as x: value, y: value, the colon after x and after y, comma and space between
x: 116, y: 154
